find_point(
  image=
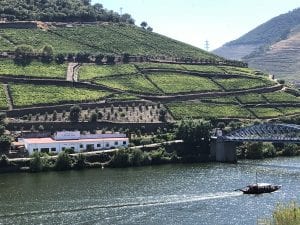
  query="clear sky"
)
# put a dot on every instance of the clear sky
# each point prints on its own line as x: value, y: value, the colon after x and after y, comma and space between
x: 194, y: 21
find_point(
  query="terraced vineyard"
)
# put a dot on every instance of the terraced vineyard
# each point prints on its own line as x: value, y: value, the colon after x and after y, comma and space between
x: 105, y: 38
x: 3, y: 102
x: 175, y: 83
x: 89, y: 72
x: 204, y: 110
x: 34, y: 69
x: 186, y: 90
x: 29, y: 95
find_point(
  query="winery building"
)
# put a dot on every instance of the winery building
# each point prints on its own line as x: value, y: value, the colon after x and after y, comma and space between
x: 61, y: 141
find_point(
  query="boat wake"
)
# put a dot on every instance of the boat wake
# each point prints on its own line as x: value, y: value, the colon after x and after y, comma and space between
x: 136, y: 202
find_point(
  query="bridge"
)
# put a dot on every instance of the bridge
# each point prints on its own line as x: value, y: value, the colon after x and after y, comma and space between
x: 223, y: 146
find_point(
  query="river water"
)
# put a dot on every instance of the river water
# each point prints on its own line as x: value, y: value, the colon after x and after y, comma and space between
x: 168, y: 194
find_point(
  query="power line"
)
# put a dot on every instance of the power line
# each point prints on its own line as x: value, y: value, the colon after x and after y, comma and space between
x: 206, y: 45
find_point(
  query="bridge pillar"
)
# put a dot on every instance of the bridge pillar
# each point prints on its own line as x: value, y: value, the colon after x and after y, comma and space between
x: 223, y: 151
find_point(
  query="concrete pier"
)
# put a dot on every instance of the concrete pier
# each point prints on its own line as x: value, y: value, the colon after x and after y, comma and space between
x: 223, y: 151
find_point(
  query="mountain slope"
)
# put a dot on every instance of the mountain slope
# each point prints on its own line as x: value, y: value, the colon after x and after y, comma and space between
x: 272, y: 46
x: 108, y: 38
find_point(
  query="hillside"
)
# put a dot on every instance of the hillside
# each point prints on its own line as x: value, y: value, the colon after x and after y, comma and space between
x: 111, y: 38
x: 139, y: 93
x: 59, y: 11
x: 271, y: 47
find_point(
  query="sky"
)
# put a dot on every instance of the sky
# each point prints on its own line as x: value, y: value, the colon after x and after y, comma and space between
x: 195, y: 21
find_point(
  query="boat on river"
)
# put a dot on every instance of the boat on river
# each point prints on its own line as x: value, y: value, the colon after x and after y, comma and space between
x: 260, y: 188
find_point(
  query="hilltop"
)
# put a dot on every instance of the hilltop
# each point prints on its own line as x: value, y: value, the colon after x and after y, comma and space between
x: 59, y: 11
x: 271, y: 47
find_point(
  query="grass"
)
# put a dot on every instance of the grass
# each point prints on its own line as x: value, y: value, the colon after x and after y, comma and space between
x: 132, y: 83
x: 243, y: 83
x: 204, y: 69
x: 122, y: 97
x: 3, y: 102
x: 183, y: 110
x: 159, y: 66
x: 30, y: 95
x: 89, y: 72
x: 34, y: 69
x: 228, y: 99
x: 281, y: 97
x: 285, y: 215
x: 38, y: 39
x: 251, y: 98
x: 237, y: 70
x: 175, y: 83
x: 289, y: 110
x: 266, y: 112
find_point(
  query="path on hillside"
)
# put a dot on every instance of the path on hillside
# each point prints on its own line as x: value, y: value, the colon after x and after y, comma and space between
x: 71, y: 72
x: 8, y: 97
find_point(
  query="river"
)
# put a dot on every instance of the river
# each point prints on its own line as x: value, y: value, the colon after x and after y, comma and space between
x: 168, y: 194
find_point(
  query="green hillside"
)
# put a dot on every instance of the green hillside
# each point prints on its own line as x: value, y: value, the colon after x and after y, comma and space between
x: 111, y: 38
x: 195, y: 91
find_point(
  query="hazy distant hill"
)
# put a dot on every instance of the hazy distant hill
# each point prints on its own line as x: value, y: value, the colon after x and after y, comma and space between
x: 272, y: 46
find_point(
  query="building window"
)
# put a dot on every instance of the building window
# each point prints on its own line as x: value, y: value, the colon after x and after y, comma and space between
x: 73, y: 148
x: 90, y: 147
x: 53, y: 149
x: 45, y: 150
x: 124, y: 142
x: 98, y: 145
x: 116, y: 143
x: 35, y: 149
x: 81, y: 146
x: 107, y: 145
x: 63, y: 148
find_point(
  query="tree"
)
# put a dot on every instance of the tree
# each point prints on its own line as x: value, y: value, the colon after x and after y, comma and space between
x: 63, y: 161
x: 144, y: 24
x: 23, y: 54
x: 125, y: 58
x: 150, y: 29
x: 195, y: 135
x: 110, y: 59
x: 60, y: 58
x: 5, y: 142
x: 75, y: 111
x: 162, y: 115
x: 94, y: 117
x: 47, y: 54
x: 98, y: 59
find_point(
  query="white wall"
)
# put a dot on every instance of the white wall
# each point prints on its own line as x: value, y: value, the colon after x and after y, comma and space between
x: 78, y: 147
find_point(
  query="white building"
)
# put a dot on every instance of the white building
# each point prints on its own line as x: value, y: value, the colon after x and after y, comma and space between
x: 74, y: 140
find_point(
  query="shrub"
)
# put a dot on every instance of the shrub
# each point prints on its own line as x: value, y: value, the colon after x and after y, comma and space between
x: 80, y: 162
x: 268, y: 150
x: 121, y: 159
x: 290, y: 150
x: 4, y: 161
x: 254, y: 150
x: 137, y: 157
x: 93, y: 117
x: 63, y: 162
x: 5, y: 142
x: 36, y: 164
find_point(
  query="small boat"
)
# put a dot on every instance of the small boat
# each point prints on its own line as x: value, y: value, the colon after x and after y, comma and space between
x: 260, y: 188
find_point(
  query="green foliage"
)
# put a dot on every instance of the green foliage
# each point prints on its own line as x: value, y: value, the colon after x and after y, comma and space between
x: 251, y: 150
x: 195, y: 135
x: 174, y: 83
x: 5, y: 142
x: 93, y: 117
x: 63, y: 162
x: 29, y: 94
x: 37, y: 163
x: 89, y: 72
x: 75, y: 113
x: 291, y: 150
x: 34, y: 69
x: 4, y: 161
x: 197, y: 110
x: 3, y: 102
x: 266, y: 112
x: 285, y: 215
x: 280, y: 97
x: 238, y: 70
x: 23, y: 55
x: 132, y: 83
x: 47, y: 54
x: 243, y: 83
x: 68, y: 10
x: 80, y: 162
x: 121, y: 159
